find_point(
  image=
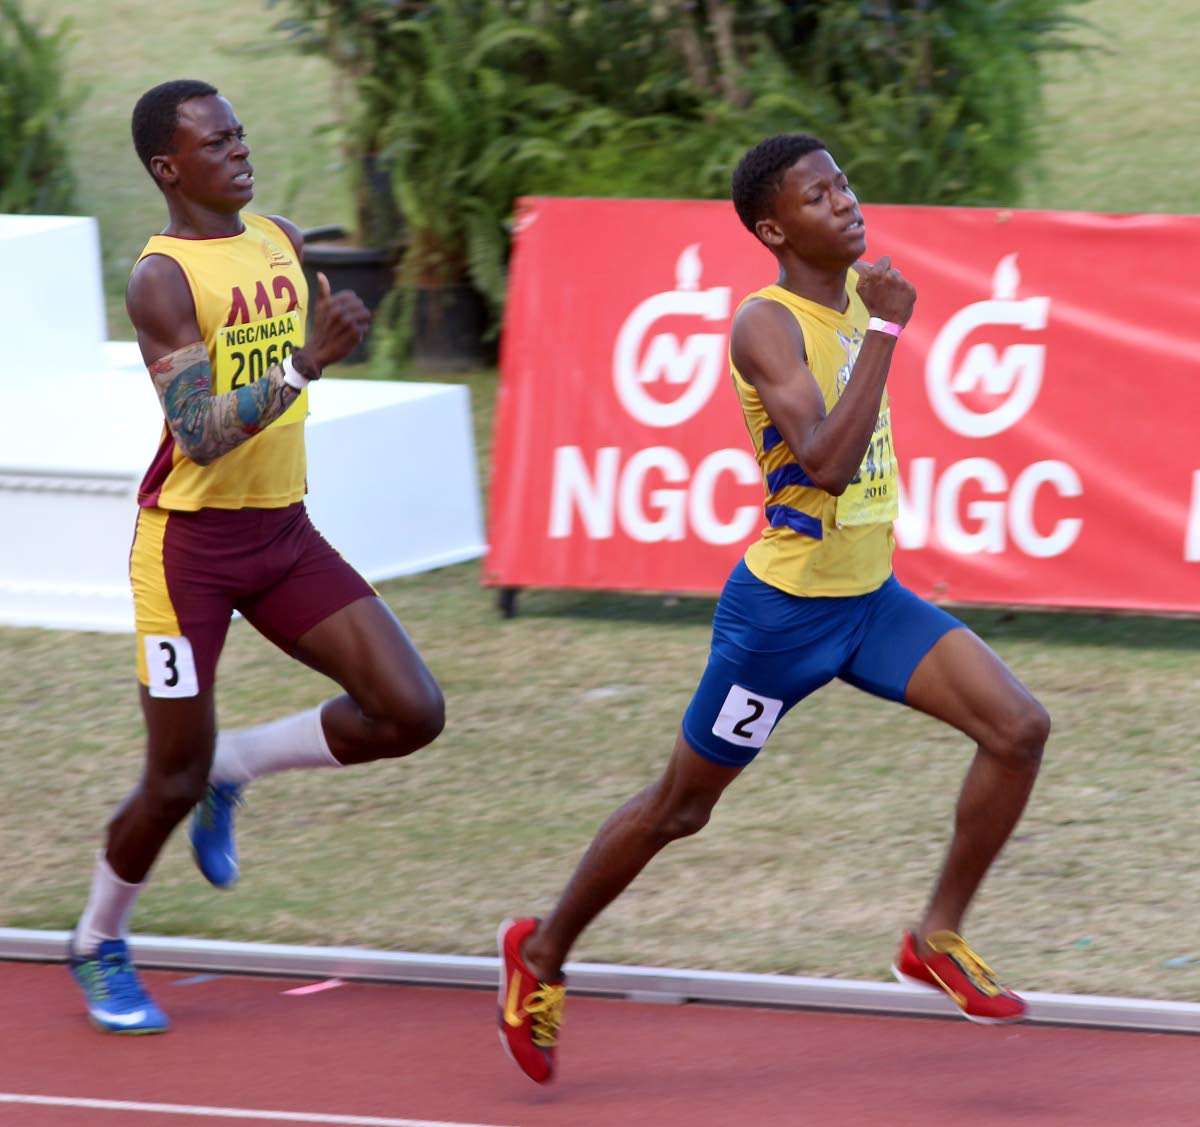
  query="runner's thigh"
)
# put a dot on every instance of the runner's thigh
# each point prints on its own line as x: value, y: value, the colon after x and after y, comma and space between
x: 769, y: 651
x: 899, y: 629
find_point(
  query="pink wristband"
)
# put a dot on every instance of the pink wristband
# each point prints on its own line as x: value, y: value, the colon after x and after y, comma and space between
x: 882, y: 326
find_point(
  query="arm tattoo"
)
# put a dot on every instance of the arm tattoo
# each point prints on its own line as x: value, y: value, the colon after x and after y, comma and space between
x: 205, y: 425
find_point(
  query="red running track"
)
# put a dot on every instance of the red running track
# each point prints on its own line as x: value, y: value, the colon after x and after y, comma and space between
x: 411, y: 1054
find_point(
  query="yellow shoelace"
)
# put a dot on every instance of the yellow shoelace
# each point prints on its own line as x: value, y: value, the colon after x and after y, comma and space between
x: 545, y: 1009
x: 956, y: 947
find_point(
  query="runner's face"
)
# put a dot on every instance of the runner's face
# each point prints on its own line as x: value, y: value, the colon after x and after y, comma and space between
x: 211, y: 157
x: 816, y: 213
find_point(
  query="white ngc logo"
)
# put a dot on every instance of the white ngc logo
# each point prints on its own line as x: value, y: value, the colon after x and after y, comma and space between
x: 658, y: 494
x: 1016, y: 374
x: 693, y: 366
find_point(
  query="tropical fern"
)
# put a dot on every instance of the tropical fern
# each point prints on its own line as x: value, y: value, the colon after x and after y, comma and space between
x: 473, y: 103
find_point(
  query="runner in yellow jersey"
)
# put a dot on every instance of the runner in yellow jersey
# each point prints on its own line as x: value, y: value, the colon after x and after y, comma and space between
x: 813, y: 599
x: 219, y: 303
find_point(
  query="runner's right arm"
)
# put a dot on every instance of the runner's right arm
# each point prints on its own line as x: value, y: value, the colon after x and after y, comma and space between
x: 767, y: 348
x: 204, y: 425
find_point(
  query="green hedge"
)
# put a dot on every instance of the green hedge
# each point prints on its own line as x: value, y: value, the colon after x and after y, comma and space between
x: 471, y: 103
x: 35, y: 109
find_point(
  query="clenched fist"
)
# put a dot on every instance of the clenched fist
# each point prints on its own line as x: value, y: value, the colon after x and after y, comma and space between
x: 884, y: 291
x: 340, y: 321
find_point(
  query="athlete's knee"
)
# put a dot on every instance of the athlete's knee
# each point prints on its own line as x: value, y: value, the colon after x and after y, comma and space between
x: 686, y: 821
x: 1021, y: 739
x: 424, y: 718
x: 409, y: 716
x: 1033, y: 731
x: 682, y: 817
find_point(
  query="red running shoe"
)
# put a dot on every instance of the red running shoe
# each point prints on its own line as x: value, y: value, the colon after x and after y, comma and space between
x: 530, y: 1011
x: 956, y: 969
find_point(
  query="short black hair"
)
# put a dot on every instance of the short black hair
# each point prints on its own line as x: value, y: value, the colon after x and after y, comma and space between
x: 157, y: 114
x: 759, y: 174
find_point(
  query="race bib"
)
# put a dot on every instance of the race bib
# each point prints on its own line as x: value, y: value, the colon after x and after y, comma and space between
x: 873, y: 497
x: 245, y: 352
x: 171, y: 666
x: 746, y: 718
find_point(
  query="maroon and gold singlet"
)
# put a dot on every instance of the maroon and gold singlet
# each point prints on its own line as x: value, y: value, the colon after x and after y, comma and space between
x: 251, y: 298
x: 233, y: 535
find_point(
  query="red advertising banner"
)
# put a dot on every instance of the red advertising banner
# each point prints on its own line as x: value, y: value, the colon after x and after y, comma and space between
x: 1045, y: 399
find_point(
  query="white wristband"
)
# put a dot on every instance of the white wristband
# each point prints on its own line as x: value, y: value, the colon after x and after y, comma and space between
x: 882, y: 326
x: 291, y: 377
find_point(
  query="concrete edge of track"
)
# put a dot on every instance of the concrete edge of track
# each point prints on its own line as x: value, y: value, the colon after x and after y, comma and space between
x: 641, y: 984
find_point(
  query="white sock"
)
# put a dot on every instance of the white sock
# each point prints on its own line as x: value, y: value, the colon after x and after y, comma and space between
x: 108, y: 908
x: 244, y: 754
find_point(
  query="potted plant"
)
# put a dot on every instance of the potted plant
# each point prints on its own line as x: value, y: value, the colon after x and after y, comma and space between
x: 354, y: 36
x: 451, y: 110
x: 440, y: 130
x: 468, y: 128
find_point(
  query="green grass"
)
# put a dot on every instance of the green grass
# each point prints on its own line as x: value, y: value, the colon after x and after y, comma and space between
x: 815, y: 859
x: 1121, y: 120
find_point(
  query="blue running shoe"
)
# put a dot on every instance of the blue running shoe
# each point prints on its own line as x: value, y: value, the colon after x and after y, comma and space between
x: 117, y: 1001
x: 212, y: 834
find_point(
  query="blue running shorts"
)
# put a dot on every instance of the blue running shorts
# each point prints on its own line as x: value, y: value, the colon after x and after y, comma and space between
x: 771, y: 649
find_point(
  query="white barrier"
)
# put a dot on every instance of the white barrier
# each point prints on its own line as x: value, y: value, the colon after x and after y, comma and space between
x: 52, y: 313
x: 391, y: 466
x: 669, y: 985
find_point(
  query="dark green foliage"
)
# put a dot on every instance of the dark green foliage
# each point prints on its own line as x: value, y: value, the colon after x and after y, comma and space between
x: 472, y: 103
x: 35, y: 106
x: 939, y: 101
x: 930, y: 102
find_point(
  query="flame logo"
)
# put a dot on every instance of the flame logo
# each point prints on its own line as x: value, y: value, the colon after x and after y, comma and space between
x: 693, y: 365
x: 1016, y: 374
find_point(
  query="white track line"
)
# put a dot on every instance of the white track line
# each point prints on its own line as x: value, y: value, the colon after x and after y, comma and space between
x: 230, y: 1112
